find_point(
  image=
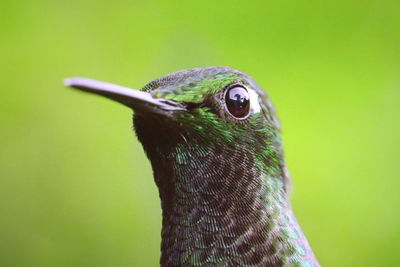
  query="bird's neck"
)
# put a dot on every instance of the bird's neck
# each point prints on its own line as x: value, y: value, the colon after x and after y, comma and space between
x: 220, y: 206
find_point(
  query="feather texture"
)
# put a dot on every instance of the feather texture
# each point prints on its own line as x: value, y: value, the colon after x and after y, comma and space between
x: 222, y: 183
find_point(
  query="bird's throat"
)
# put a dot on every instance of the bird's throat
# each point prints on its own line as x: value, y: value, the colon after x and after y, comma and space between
x: 224, y: 212
x: 221, y: 206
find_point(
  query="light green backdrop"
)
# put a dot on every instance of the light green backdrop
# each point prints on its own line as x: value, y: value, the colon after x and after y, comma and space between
x: 75, y: 186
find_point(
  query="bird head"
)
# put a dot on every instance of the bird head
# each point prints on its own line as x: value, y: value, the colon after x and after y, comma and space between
x: 199, y: 109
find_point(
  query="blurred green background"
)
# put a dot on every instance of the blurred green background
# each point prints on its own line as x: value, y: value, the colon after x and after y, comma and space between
x: 75, y: 186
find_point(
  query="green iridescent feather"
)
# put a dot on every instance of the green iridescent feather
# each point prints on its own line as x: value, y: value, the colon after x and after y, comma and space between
x: 222, y: 182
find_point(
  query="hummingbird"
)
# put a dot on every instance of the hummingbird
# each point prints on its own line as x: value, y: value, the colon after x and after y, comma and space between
x: 213, y: 139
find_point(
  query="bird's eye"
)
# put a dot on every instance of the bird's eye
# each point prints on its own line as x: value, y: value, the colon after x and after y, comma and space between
x: 237, y: 101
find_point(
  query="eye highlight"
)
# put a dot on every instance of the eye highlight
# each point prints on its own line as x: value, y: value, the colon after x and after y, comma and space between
x: 237, y: 101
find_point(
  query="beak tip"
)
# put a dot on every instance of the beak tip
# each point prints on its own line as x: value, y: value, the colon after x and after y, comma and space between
x: 67, y: 82
x: 78, y: 81
x: 70, y: 82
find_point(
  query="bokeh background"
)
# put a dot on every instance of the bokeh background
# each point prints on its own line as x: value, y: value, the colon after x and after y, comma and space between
x: 75, y: 186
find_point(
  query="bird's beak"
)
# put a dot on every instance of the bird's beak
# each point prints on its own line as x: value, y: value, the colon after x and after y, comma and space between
x: 135, y: 99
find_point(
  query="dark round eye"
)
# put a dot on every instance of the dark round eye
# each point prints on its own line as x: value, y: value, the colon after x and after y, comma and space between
x: 237, y: 101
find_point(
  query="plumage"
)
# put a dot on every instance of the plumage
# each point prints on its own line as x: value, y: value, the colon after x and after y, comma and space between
x: 222, y: 178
